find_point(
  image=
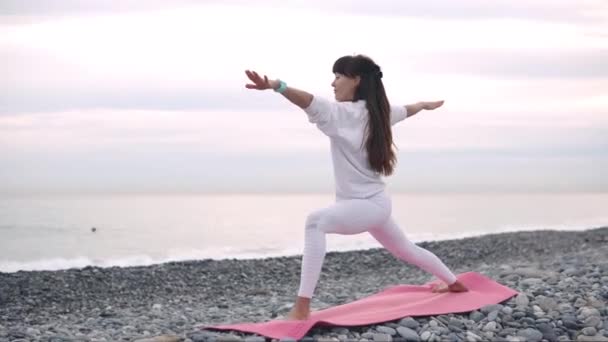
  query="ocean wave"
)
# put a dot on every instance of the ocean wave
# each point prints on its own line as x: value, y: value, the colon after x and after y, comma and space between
x: 335, y: 243
x: 177, y: 254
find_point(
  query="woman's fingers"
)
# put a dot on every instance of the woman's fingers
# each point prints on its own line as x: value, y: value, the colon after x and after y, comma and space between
x: 255, y: 78
x: 258, y: 81
x: 434, y: 105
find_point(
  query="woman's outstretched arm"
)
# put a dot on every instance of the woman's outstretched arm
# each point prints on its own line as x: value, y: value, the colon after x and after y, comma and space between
x: 414, y: 108
x: 298, y: 97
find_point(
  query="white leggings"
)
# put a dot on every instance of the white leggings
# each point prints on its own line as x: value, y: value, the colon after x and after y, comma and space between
x: 355, y: 216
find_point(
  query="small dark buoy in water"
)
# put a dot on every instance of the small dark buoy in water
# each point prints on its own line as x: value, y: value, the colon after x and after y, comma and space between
x: 93, y: 229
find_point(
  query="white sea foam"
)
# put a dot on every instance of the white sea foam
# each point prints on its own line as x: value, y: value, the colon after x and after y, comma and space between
x: 184, y: 254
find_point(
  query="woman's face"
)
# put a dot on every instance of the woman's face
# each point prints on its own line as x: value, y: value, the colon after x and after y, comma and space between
x: 345, y: 87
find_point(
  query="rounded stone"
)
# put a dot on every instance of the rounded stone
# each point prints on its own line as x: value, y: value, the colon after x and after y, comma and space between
x: 589, y: 311
x: 408, y: 334
x: 522, y: 300
x: 530, y: 334
x: 492, y: 316
x: 490, y: 326
x: 409, y: 322
x: 386, y: 330
x: 492, y: 307
x: 382, y: 338
x: 476, y: 316
x: 589, y: 331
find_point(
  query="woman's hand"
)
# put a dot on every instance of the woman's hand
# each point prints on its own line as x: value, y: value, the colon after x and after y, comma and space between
x: 260, y: 83
x: 432, y: 105
x: 298, y: 97
x: 414, y: 108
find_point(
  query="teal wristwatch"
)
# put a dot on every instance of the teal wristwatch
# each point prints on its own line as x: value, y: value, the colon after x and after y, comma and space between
x: 282, y: 87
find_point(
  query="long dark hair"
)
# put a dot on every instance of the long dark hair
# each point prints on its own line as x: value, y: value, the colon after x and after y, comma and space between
x: 379, y: 137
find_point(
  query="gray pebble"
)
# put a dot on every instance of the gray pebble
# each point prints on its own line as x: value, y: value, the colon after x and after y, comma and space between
x: 255, y: 339
x: 588, y: 312
x: 531, y: 282
x: 492, y: 307
x: 340, y: 330
x: 589, y: 331
x: 287, y: 339
x: 530, y: 334
x: 593, y: 321
x: 507, y: 310
x: 490, y: 326
x: 596, y: 338
x: 456, y: 322
x: 472, y: 337
x: 565, y: 307
x: 570, y: 323
x: 547, y: 331
x: 546, y: 303
x: 382, y: 338
x: 492, y: 316
x: 476, y: 316
x: 368, y: 335
x: 408, y: 334
x: 386, y: 330
x: 409, y: 322
x: 522, y: 300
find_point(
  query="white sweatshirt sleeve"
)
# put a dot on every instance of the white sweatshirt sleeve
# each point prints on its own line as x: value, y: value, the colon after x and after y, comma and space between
x: 398, y: 113
x: 325, y: 114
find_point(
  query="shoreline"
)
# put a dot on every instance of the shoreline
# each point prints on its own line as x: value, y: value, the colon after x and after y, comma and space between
x: 174, y: 298
x: 145, y: 260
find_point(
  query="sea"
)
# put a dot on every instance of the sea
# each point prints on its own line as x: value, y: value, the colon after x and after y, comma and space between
x: 55, y: 232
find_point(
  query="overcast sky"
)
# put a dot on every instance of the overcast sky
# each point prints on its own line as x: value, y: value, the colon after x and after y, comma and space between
x: 136, y: 96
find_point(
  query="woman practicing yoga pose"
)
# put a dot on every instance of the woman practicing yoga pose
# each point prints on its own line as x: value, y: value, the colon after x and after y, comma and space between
x: 358, y: 125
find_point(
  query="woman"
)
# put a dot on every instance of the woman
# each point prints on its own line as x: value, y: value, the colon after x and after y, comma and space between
x: 359, y: 127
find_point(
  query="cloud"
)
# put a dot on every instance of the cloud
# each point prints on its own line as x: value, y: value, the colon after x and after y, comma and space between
x: 548, y: 10
x: 149, y: 95
x: 56, y: 99
x: 39, y: 81
x: 176, y: 60
x: 540, y: 10
x: 84, y: 7
x: 133, y: 151
x: 154, y: 170
x: 555, y: 64
x: 165, y: 132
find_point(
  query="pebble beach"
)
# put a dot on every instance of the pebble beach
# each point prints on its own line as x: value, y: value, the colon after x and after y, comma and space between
x: 562, y: 277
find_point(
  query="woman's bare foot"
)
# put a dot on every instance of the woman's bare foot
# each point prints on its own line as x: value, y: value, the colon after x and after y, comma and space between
x: 455, y: 287
x: 300, y: 310
x: 295, y: 314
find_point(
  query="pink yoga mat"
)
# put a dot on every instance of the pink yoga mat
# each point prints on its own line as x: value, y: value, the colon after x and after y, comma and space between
x: 390, y: 304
